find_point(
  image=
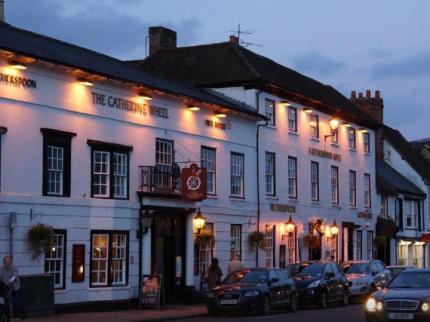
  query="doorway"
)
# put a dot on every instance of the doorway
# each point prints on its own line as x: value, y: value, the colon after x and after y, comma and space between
x: 168, y: 253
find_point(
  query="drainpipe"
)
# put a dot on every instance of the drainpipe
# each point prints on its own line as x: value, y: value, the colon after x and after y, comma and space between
x: 257, y: 98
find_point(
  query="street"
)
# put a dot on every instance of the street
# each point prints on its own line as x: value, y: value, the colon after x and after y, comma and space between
x: 351, y: 313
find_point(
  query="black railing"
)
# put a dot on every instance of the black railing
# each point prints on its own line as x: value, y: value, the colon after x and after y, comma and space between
x: 160, y: 179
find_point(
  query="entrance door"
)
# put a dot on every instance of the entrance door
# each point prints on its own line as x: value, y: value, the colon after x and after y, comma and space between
x: 168, y: 253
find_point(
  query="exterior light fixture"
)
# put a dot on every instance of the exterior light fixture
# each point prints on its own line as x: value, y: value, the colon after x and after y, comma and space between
x: 85, y: 82
x: 17, y: 65
x: 346, y: 124
x: 307, y: 110
x: 221, y: 115
x: 290, y: 227
x: 194, y: 108
x: 199, y: 221
x: 145, y: 220
x: 285, y: 103
x: 334, y: 229
x: 145, y: 97
x: 363, y: 130
x: 334, y: 125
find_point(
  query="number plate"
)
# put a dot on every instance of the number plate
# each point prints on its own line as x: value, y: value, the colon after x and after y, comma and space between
x: 228, y: 302
x: 400, y: 316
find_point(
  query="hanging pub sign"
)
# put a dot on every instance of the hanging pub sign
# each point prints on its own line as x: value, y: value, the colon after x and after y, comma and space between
x: 425, y: 238
x: 194, y: 183
x: 151, y: 291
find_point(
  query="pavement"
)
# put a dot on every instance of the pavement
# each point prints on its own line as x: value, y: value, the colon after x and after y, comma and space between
x: 171, y: 313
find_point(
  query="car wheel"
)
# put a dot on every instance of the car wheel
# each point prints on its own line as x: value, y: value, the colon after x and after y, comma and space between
x: 322, y: 300
x: 294, y: 303
x: 266, y: 309
x: 3, y: 317
x: 345, y: 298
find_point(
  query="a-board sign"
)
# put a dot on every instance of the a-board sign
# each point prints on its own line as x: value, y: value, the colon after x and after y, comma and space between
x: 151, y: 289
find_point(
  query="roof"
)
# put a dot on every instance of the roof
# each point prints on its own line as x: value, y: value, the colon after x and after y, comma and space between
x: 229, y: 64
x: 48, y: 49
x: 404, y: 148
x: 421, y: 144
x: 390, y: 181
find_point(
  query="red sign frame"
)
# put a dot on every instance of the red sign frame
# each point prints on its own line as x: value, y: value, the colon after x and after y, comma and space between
x: 194, y: 183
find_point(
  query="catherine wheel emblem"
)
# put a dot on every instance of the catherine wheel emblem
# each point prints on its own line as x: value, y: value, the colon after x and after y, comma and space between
x: 193, y: 183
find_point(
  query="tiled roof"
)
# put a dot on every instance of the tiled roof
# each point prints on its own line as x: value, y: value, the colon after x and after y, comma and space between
x: 55, y: 51
x: 390, y: 181
x: 229, y: 64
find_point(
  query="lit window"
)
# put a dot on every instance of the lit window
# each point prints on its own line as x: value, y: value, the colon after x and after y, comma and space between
x: 292, y: 177
x: 292, y: 242
x: 270, y: 246
x: 270, y: 111
x: 334, y: 138
x: 292, y: 119
x: 270, y: 174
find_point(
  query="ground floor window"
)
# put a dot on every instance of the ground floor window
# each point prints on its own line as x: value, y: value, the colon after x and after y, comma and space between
x: 270, y: 245
x: 109, y: 253
x: 333, y: 248
x: 204, y: 252
x: 418, y: 255
x: 55, y: 259
x: 358, y: 245
x: 369, y: 244
x: 236, y: 242
x: 292, y: 241
x: 403, y: 253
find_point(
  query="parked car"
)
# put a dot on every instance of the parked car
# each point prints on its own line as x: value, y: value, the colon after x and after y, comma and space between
x: 320, y: 283
x: 295, y: 268
x: 4, y: 304
x: 365, y: 277
x: 257, y: 289
x: 406, y: 298
x: 396, y: 269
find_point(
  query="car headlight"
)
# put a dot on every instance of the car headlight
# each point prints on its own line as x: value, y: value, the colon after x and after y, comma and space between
x: 425, y: 307
x: 314, y: 284
x: 251, y: 293
x: 372, y: 305
x: 211, y: 295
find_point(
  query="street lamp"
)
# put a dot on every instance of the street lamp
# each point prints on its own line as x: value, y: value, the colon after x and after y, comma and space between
x: 334, y: 229
x: 334, y: 125
x: 199, y: 221
x: 145, y: 220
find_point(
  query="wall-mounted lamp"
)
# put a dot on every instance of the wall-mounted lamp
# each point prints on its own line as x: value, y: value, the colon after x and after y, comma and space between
x: 85, y: 82
x: 194, y: 108
x: 334, y: 125
x: 307, y: 110
x: 290, y: 227
x: 145, y: 97
x: 220, y: 115
x: 363, y: 130
x: 17, y: 65
x: 346, y: 124
x: 145, y: 220
x: 285, y: 103
x: 334, y: 229
x: 199, y: 221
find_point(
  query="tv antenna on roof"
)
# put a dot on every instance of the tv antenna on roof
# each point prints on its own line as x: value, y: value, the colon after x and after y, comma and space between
x: 239, y: 32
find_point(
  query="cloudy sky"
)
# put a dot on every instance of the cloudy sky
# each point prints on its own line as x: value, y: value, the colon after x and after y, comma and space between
x: 351, y: 45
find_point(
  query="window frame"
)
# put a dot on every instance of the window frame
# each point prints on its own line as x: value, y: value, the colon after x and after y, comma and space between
x: 269, y: 103
x: 273, y: 174
x: 172, y: 152
x: 293, y: 121
x: 384, y: 204
x: 270, y: 234
x: 199, y: 250
x: 58, y: 139
x: 111, y: 149
x: 62, y: 232
x: 202, y: 161
x: 333, y: 167
x: 369, y: 256
x: 359, y: 250
x: 367, y: 181
x: 236, y: 239
x: 366, y: 142
x: 110, y: 233
x: 317, y: 182
x: 295, y: 195
x: 353, y: 188
x: 334, y: 136
x: 316, y: 128
x: 241, y: 177
x: 352, y: 138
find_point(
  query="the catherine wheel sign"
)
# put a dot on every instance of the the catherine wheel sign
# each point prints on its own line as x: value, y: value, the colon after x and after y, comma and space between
x: 194, y: 183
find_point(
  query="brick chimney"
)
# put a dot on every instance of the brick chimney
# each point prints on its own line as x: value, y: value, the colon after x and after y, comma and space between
x: 234, y: 40
x: 1, y: 10
x: 372, y: 105
x: 161, y: 38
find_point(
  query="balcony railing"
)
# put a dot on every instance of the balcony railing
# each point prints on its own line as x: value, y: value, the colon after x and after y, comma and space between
x: 160, y: 179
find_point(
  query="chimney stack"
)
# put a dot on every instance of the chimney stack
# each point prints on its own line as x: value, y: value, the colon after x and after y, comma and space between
x: 161, y: 38
x: 353, y: 95
x: 1, y: 10
x: 234, y: 40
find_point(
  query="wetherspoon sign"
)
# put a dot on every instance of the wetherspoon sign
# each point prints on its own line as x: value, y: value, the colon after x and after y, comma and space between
x: 324, y: 154
x: 17, y: 81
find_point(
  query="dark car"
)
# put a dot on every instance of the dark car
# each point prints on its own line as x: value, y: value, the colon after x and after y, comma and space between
x: 321, y: 283
x: 257, y: 289
x: 295, y: 268
x: 407, y: 297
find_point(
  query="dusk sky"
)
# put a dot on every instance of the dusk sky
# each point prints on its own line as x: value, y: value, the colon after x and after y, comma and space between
x: 351, y: 45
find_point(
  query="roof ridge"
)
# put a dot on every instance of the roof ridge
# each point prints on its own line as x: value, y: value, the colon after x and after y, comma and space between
x: 237, y: 49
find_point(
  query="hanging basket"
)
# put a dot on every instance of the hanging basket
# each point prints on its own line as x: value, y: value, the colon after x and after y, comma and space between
x: 312, y: 241
x: 205, y: 238
x: 39, y: 238
x: 256, y: 239
x: 386, y: 227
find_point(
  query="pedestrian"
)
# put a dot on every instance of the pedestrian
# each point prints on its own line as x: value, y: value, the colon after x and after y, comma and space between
x: 214, y: 274
x: 234, y: 265
x: 10, y: 276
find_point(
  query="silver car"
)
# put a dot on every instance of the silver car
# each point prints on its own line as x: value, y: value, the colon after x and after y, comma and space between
x: 365, y: 277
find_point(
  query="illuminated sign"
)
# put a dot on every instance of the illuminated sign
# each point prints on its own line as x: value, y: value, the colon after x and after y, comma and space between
x: 324, y: 154
x: 282, y: 208
x: 130, y: 106
x: 17, y: 81
x: 218, y: 125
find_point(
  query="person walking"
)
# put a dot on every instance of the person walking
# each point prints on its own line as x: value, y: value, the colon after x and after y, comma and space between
x: 234, y: 265
x: 10, y: 276
x: 214, y: 274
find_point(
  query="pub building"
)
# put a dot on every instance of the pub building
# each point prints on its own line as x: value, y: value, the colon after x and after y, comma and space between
x: 316, y: 193
x: 127, y: 168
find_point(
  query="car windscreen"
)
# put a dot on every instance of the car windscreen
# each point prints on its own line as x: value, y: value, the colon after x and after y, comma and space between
x: 246, y: 277
x: 411, y: 280
x: 314, y: 270
x: 357, y: 268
